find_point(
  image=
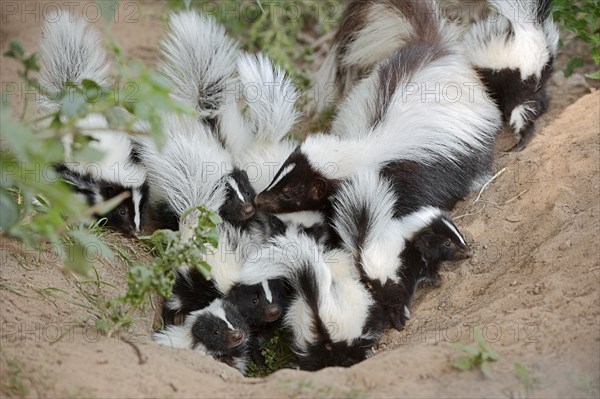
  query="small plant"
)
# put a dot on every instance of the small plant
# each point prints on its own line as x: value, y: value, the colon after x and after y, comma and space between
x: 583, y: 19
x: 277, y: 354
x: 526, y: 379
x: 158, y: 275
x: 478, y: 356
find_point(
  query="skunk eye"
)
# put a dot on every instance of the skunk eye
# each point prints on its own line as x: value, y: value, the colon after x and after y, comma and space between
x: 448, y: 243
x: 255, y: 300
x: 216, y: 331
x: 122, y: 211
x: 285, y: 196
x: 227, y: 202
x: 248, y: 193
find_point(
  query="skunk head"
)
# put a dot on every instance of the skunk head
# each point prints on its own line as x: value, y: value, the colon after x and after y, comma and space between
x: 441, y: 241
x: 259, y: 303
x: 125, y: 217
x: 219, y: 329
x: 297, y: 186
x: 238, y: 206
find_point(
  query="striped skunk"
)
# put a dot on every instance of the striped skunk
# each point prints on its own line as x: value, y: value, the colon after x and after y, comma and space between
x: 364, y: 219
x: 332, y: 318
x: 394, y: 127
x: 369, y: 32
x: 261, y: 303
x: 193, y: 169
x: 218, y: 330
x: 514, y: 51
x: 69, y: 53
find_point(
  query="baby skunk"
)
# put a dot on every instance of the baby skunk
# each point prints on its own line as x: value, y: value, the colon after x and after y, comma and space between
x: 218, y: 330
x: 70, y: 53
x: 260, y: 302
x: 363, y: 218
x: 514, y: 51
x: 333, y: 319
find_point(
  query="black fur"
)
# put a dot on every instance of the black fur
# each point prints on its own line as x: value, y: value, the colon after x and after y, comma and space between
x: 300, y: 190
x: 235, y: 210
x: 324, y: 352
x: 223, y: 343
x: 508, y: 91
x: 121, y: 217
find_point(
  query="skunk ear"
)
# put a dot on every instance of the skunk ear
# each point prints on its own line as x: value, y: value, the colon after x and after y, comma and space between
x: 318, y: 189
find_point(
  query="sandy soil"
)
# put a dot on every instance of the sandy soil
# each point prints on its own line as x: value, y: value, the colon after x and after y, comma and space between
x: 531, y: 286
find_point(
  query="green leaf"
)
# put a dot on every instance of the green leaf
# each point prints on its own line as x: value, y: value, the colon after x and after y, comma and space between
x: 9, y: 210
x: 73, y: 104
x: 595, y: 75
x: 463, y: 363
x: 486, y: 369
x: 15, y: 50
x: 576, y: 62
x: 491, y: 354
x: 522, y: 372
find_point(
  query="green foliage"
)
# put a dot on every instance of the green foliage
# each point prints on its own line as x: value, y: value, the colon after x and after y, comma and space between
x: 275, y: 27
x: 277, y: 354
x: 478, y: 356
x: 526, y: 379
x: 583, y: 19
x: 31, y: 148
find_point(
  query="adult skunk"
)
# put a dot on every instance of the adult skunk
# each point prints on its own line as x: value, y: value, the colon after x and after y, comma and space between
x: 333, y: 319
x: 364, y: 219
x: 69, y: 53
x: 369, y: 32
x: 389, y: 122
x: 514, y: 50
x: 218, y: 330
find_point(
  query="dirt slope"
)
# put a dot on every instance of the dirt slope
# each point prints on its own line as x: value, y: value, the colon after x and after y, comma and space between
x: 532, y: 286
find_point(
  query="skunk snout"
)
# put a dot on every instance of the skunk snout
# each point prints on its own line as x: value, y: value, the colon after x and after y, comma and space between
x: 266, y: 202
x: 248, y: 210
x: 272, y: 313
x: 235, y: 338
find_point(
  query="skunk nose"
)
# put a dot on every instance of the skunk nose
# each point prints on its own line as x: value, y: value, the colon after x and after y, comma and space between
x: 235, y: 338
x: 248, y: 210
x: 272, y: 313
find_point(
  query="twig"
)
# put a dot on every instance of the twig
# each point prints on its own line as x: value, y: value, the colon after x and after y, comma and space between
x: 317, y: 43
x: 469, y: 214
x: 487, y: 183
x: 141, y: 357
x: 515, y: 198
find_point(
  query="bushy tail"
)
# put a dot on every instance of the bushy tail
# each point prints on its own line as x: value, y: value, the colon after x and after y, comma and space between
x: 270, y: 96
x: 187, y: 171
x: 70, y: 51
x: 363, y: 218
x: 199, y: 61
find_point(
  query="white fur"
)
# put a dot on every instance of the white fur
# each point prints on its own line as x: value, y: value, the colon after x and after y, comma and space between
x: 487, y: 44
x: 416, y: 221
x: 283, y: 174
x: 270, y: 97
x: 466, y: 120
x: 384, y: 241
x: 519, y: 116
x: 303, y: 218
x: 69, y: 52
x: 262, y: 161
x: 198, y: 55
x: 455, y: 231
x: 188, y: 170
